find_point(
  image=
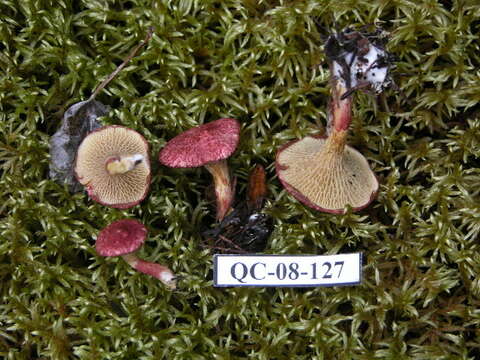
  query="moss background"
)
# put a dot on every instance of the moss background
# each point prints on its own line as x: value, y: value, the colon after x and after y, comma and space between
x: 262, y: 63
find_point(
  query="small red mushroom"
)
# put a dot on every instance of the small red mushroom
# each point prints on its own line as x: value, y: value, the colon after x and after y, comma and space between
x: 123, y: 238
x: 207, y: 145
x: 113, y: 164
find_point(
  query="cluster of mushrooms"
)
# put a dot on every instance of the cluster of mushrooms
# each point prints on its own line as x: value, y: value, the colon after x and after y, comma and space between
x: 324, y: 173
x: 113, y: 164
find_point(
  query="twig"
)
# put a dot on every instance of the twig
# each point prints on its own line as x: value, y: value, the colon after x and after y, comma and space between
x: 223, y: 249
x: 230, y: 242
x: 122, y: 65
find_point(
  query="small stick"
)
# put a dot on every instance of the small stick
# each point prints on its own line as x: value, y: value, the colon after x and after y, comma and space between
x: 230, y: 242
x: 224, y: 249
x: 122, y: 65
x: 349, y: 92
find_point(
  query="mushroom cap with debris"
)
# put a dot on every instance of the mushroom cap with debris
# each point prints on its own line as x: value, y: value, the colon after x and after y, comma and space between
x: 96, y: 150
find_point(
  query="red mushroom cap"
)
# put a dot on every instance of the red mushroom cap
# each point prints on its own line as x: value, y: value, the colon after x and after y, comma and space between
x: 121, y: 237
x: 213, y: 141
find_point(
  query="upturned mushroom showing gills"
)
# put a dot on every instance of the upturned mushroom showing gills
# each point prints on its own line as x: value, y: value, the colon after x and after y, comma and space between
x: 325, y: 173
x: 207, y: 145
x: 114, y: 166
x: 123, y: 238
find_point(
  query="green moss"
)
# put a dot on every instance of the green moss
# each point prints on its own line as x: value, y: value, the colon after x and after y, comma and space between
x: 262, y: 63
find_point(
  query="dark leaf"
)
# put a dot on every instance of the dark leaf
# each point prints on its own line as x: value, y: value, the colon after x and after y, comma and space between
x: 78, y: 121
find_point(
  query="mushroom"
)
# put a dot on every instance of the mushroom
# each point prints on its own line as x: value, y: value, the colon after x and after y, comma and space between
x: 113, y: 164
x: 207, y: 145
x: 123, y: 238
x: 325, y: 173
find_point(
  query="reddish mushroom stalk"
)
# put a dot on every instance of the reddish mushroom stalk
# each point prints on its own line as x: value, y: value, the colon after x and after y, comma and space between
x: 325, y: 173
x: 340, y: 115
x: 223, y: 186
x: 161, y: 272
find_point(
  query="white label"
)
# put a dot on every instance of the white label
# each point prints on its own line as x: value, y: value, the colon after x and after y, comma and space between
x: 287, y: 270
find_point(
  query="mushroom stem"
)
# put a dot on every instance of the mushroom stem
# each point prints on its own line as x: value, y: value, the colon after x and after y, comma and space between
x: 223, y: 186
x: 335, y: 144
x: 122, y: 164
x: 340, y: 115
x: 162, y: 273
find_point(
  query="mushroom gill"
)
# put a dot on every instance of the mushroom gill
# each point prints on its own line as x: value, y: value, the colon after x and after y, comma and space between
x: 113, y: 164
x: 326, y: 174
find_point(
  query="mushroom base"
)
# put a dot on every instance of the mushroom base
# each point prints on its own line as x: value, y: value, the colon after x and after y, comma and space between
x: 162, y: 273
x: 326, y: 174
